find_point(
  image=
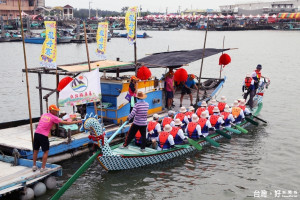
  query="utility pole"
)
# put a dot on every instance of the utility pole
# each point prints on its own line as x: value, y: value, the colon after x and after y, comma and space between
x: 166, y: 10
x: 90, y: 9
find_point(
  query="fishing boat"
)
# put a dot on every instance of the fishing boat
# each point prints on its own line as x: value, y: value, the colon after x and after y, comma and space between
x: 114, y: 158
x: 144, y: 35
x: 114, y: 109
x: 34, y: 40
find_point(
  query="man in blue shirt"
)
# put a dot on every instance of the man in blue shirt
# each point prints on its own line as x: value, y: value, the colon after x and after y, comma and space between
x: 186, y: 89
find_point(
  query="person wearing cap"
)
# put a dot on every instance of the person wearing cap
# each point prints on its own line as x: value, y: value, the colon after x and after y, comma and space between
x: 227, y: 117
x: 256, y: 75
x: 177, y: 132
x: 183, y: 118
x: 215, y: 119
x: 193, y: 129
x: 169, y: 119
x: 249, y: 89
x: 153, y: 129
x: 204, y: 123
x: 242, y: 105
x: 222, y: 103
x: 165, y: 140
x: 237, y: 112
x: 132, y: 89
x: 42, y: 131
x: 169, y: 89
x: 211, y: 105
x: 202, y: 108
x: 190, y: 113
x: 186, y: 89
x: 139, y: 113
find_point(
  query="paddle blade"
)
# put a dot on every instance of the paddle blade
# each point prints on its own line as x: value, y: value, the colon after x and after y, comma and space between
x: 223, y: 134
x: 195, y: 144
x: 241, y: 129
x: 212, y: 142
x: 251, y: 121
x: 260, y: 119
x: 233, y: 130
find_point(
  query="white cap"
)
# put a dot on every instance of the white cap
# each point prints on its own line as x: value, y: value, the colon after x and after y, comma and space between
x: 226, y: 109
x: 191, y: 108
x: 213, y: 101
x: 216, y: 109
x: 235, y: 103
x: 167, y: 128
x: 203, y: 103
x: 203, y: 114
x: 248, y: 75
x: 177, y: 122
x: 223, y: 99
x: 195, y: 118
x: 171, y: 112
x: 182, y: 109
x: 155, y: 116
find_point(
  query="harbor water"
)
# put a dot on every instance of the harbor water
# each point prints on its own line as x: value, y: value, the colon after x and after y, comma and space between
x: 263, y: 164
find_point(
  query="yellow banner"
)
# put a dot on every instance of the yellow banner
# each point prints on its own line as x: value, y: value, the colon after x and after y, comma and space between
x: 130, y: 23
x: 48, y: 56
x: 101, y: 39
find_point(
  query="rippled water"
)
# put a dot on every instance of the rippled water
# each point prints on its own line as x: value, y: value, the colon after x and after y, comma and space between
x: 265, y: 159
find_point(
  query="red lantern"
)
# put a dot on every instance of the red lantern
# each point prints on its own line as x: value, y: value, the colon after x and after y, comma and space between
x: 64, y: 82
x: 144, y: 73
x: 224, y: 59
x: 180, y: 75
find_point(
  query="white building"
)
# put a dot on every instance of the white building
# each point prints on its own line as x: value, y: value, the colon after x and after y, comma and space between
x: 67, y: 12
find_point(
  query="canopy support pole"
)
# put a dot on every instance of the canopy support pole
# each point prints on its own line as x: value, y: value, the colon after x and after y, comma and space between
x: 40, y: 93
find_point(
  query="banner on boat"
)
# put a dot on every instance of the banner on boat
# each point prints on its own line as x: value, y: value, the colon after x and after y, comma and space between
x: 84, y: 88
x: 48, y: 56
x: 101, y: 40
x: 130, y: 23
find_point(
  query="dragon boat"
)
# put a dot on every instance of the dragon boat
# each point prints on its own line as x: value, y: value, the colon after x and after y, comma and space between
x: 114, y: 158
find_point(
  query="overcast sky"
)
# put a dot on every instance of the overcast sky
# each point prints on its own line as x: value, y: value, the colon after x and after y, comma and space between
x: 150, y: 5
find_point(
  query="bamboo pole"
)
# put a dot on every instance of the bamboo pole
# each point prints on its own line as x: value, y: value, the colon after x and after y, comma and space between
x: 203, y: 53
x: 26, y: 71
x: 135, y: 50
x: 222, y: 54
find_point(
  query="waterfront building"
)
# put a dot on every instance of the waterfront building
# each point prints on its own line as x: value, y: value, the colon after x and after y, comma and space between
x: 68, y: 12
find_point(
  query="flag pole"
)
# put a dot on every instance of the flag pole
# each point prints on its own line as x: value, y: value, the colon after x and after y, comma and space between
x: 26, y: 71
x: 222, y: 54
x: 134, y: 44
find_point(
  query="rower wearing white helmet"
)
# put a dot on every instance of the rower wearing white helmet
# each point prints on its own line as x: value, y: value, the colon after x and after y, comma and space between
x: 215, y: 119
x: 202, y: 108
x: 153, y: 129
x: 165, y: 139
x: 212, y: 103
x: 183, y: 118
x: 222, y: 103
x: 237, y: 112
x: 242, y: 105
x: 204, y: 124
x: 169, y: 119
x: 177, y: 132
x: 227, y: 116
x: 190, y: 113
x: 193, y: 129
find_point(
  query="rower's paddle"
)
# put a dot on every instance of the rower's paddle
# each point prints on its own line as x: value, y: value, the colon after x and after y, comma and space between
x: 232, y: 130
x: 240, y: 128
x: 251, y: 121
x: 194, y: 144
x: 260, y: 119
x: 211, y: 141
x: 223, y: 134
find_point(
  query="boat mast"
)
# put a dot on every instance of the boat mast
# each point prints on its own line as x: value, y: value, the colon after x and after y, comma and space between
x: 222, y: 54
x: 26, y: 71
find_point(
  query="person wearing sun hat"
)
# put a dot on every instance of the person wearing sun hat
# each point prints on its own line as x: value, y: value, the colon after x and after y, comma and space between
x: 139, y: 113
x: 169, y: 119
x: 190, y: 113
x: 165, y: 140
x: 211, y: 105
x: 186, y: 89
x: 222, y: 103
x: 227, y: 117
x: 183, y: 118
x: 237, y: 112
x: 204, y: 123
x: 215, y: 119
x: 193, y: 129
x: 153, y: 129
x: 202, y: 108
x: 242, y: 105
x: 177, y: 132
x: 47, y: 120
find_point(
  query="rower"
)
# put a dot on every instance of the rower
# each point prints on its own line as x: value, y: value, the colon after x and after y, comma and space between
x: 212, y: 103
x: 237, y: 112
x: 242, y: 105
x: 215, y: 119
x: 177, y: 132
x: 222, y: 103
x: 203, y: 107
x: 183, y: 118
x: 190, y: 113
x: 165, y: 139
x: 169, y: 119
x: 193, y: 129
x: 227, y: 117
x: 153, y: 129
x: 204, y: 123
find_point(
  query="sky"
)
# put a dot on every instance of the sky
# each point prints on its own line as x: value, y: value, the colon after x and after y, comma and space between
x: 151, y: 5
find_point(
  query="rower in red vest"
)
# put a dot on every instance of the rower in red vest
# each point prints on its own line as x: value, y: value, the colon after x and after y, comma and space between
x: 204, y: 123
x: 177, y: 133
x: 190, y: 113
x: 249, y: 89
x: 153, y: 129
x: 212, y: 104
x: 242, y: 105
x: 169, y: 119
x: 183, y: 118
x: 237, y: 112
x: 227, y: 116
x: 165, y: 139
x: 215, y: 119
x: 193, y: 129
x: 222, y: 103
x: 202, y: 108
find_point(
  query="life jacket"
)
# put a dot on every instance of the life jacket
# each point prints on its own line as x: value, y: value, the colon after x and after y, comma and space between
x: 226, y: 120
x: 258, y: 74
x: 138, y: 138
x: 200, y: 110
x: 192, y: 131
x: 166, y: 120
x: 214, y: 121
x: 248, y: 82
x: 151, y: 127
x: 202, y: 123
x: 163, y: 141
x: 236, y: 111
x: 177, y: 138
x: 189, y: 115
x: 180, y: 116
x: 221, y: 106
x: 242, y: 107
x: 210, y: 109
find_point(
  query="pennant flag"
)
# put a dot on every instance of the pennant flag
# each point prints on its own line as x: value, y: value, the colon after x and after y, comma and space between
x: 48, y: 56
x: 84, y: 88
x: 101, y: 40
x: 130, y: 24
